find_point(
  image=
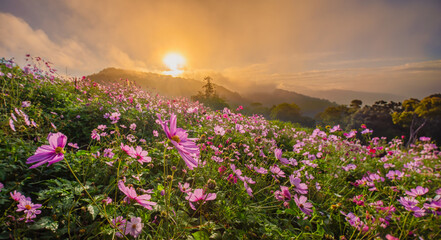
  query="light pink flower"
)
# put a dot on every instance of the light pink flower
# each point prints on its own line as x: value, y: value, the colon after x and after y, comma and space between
x: 52, y: 153
x: 134, y: 227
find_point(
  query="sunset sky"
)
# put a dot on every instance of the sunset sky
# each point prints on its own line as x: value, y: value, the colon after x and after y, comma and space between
x: 304, y: 46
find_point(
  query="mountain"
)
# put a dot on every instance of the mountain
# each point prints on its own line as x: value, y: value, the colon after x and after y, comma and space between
x: 176, y: 86
x: 164, y: 84
x: 346, y: 96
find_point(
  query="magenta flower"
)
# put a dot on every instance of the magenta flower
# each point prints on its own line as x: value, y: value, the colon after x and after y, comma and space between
x: 299, y: 187
x: 278, y: 154
x: 140, y: 155
x: 120, y: 223
x: 303, y: 205
x: 418, y: 191
x: 283, y: 194
x: 184, y: 188
x: 435, y: 206
x: 199, y: 196
x: 28, y: 208
x: 134, y: 227
x: 16, y: 195
x: 277, y: 171
x: 52, y: 153
x: 131, y: 194
x: 186, y: 147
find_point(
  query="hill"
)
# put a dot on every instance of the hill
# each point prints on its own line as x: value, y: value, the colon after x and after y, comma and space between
x: 89, y: 161
x: 163, y: 84
x: 175, y: 86
x: 309, y: 106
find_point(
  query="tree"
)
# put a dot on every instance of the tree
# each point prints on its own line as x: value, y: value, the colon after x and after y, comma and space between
x: 415, y: 114
x: 285, y: 112
x: 335, y: 115
x: 355, y: 105
x: 209, y: 96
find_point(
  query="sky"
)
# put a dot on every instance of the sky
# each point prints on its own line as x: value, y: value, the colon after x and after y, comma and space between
x: 389, y: 46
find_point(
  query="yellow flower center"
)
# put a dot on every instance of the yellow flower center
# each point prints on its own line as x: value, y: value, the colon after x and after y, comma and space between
x: 176, y: 139
x: 59, y: 150
x: 28, y: 207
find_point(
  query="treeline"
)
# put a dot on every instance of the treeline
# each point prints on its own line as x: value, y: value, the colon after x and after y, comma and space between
x: 409, y: 120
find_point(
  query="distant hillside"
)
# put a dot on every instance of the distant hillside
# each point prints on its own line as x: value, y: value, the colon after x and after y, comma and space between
x: 164, y: 84
x: 309, y: 106
x: 346, y: 96
x: 175, y: 86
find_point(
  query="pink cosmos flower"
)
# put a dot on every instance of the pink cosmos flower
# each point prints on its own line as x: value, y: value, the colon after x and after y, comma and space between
x: 303, y: 205
x: 1, y: 186
x: 16, y: 195
x: 219, y: 130
x: 435, y: 206
x: 186, y: 147
x: 283, y: 194
x: 11, y: 125
x: 299, y: 187
x: 131, y: 194
x: 418, y: 191
x: 29, y: 208
x: 120, y: 223
x: 52, y: 153
x: 199, y: 196
x: 277, y: 171
x: 140, y: 155
x: 134, y: 227
x: 278, y: 153
x: 185, y: 188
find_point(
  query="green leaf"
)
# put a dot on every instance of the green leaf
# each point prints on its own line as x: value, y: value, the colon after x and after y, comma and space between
x: 46, y: 223
x: 81, y: 153
x: 93, y: 210
x: 201, y: 235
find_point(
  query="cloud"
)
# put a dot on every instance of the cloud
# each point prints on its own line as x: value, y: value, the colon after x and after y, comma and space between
x: 20, y: 39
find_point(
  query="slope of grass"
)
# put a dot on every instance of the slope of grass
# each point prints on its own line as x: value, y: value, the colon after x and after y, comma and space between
x: 256, y: 179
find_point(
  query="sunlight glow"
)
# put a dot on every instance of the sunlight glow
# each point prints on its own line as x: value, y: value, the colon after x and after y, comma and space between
x: 174, y: 61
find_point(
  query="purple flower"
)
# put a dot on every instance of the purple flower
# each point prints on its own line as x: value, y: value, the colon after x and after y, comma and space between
x: 1, y: 186
x: 16, y: 195
x: 120, y: 223
x: 28, y: 208
x: 303, y: 205
x: 277, y: 171
x: 278, y: 154
x: 11, y: 125
x: 283, y: 194
x: 186, y: 147
x: 299, y: 187
x: 418, y: 191
x: 435, y: 206
x: 26, y: 104
x: 134, y: 227
x: 52, y: 153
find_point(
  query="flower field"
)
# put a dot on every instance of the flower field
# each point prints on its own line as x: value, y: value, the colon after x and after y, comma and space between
x: 81, y: 160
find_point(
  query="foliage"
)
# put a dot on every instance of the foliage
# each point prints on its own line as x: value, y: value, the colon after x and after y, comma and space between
x: 209, y: 96
x: 256, y: 179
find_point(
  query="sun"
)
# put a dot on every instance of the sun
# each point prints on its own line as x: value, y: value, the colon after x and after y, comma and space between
x: 174, y: 61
